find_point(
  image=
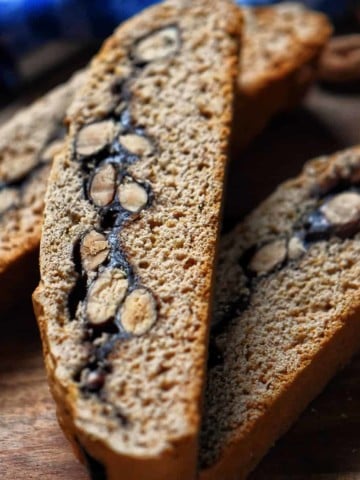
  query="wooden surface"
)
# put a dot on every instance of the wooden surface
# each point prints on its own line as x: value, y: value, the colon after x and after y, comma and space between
x: 324, y: 443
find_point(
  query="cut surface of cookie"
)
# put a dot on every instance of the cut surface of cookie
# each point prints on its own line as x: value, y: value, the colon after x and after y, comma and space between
x: 287, y: 312
x: 129, y: 240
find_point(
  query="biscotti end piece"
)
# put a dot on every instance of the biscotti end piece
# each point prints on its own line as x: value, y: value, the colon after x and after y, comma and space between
x: 130, y: 231
x: 28, y: 143
x: 282, y: 45
x: 287, y: 312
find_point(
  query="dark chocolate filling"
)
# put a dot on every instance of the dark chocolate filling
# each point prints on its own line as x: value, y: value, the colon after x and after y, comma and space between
x: 113, y: 216
x: 316, y: 227
x: 112, y: 219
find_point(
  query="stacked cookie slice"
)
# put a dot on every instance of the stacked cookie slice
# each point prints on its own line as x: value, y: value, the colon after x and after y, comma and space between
x: 28, y: 143
x: 286, y: 315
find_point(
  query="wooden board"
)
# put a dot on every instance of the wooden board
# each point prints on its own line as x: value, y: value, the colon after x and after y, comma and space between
x: 324, y: 443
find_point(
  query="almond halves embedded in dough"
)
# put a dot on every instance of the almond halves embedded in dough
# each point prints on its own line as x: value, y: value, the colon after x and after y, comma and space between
x: 158, y: 45
x: 102, y: 189
x: 138, y: 313
x: 268, y: 257
x: 94, y: 250
x: 132, y: 196
x: 136, y: 144
x: 295, y: 248
x: 105, y: 296
x: 94, y: 137
x: 342, y: 209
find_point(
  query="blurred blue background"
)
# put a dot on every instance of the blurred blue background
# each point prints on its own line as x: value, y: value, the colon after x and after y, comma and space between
x: 27, y: 25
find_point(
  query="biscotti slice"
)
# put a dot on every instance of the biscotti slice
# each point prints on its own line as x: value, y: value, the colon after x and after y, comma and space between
x: 287, y: 312
x: 28, y: 143
x: 130, y: 231
x: 282, y: 44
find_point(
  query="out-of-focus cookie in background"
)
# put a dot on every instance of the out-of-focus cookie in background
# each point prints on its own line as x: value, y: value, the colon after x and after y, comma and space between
x: 36, y: 37
x: 340, y: 62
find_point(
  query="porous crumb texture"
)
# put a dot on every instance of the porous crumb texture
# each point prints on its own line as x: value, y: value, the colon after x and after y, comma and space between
x: 27, y: 143
x: 287, y: 312
x: 130, y: 230
x: 282, y: 44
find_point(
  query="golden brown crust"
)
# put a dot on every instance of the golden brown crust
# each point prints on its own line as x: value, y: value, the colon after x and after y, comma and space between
x: 182, y: 101
x: 244, y: 455
x: 299, y: 323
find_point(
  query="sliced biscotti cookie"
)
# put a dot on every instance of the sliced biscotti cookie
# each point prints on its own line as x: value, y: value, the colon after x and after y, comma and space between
x: 282, y: 45
x: 287, y: 312
x: 27, y: 145
x: 130, y: 231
